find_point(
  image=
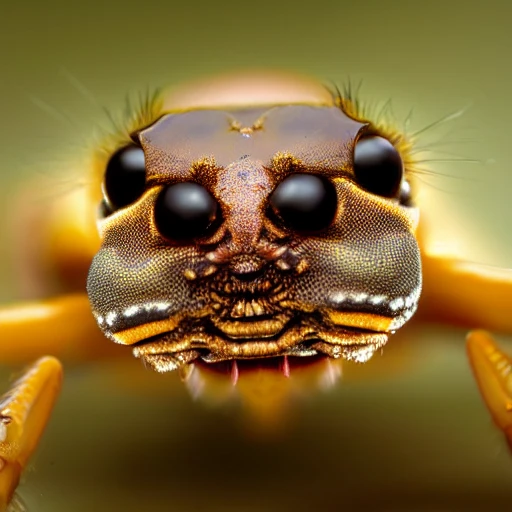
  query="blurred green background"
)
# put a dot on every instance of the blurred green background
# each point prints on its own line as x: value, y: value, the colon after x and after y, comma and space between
x: 418, y: 440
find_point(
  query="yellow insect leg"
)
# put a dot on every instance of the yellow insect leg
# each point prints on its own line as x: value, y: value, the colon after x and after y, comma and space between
x: 493, y: 372
x: 24, y: 412
x: 62, y: 326
x: 466, y: 294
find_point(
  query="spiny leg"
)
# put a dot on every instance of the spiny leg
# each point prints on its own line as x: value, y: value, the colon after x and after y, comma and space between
x: 24, y: 412
x: 493, y: 372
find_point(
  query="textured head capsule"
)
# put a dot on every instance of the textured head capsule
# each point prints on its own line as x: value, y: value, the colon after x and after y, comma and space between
x: 283, y: 250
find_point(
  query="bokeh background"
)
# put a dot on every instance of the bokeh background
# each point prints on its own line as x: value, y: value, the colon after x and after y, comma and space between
x: 415, y: 439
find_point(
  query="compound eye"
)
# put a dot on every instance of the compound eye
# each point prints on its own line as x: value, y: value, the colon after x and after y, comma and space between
x: 378, y: 166
x: 184, y: 211
x: 305, y: 202
x: 125, y: 177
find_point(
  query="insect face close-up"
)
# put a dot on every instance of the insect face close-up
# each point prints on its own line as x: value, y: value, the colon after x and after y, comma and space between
x: 275, y: 232
x: 244, y: 271
x: 248, y: 240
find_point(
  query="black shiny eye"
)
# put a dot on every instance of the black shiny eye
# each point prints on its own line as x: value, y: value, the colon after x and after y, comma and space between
x: 378, y: 166
x: 184, y: 211
x: 125, y: 177
x: 305, y: 202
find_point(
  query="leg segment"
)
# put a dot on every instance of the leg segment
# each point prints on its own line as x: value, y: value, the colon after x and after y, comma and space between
x: 466, y: 294
x: 63, y: 327
x: 24, y: 412
x: 493, y: 372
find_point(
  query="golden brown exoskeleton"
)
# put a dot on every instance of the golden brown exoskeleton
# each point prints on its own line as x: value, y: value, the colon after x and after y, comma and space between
x: 252, y: 231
